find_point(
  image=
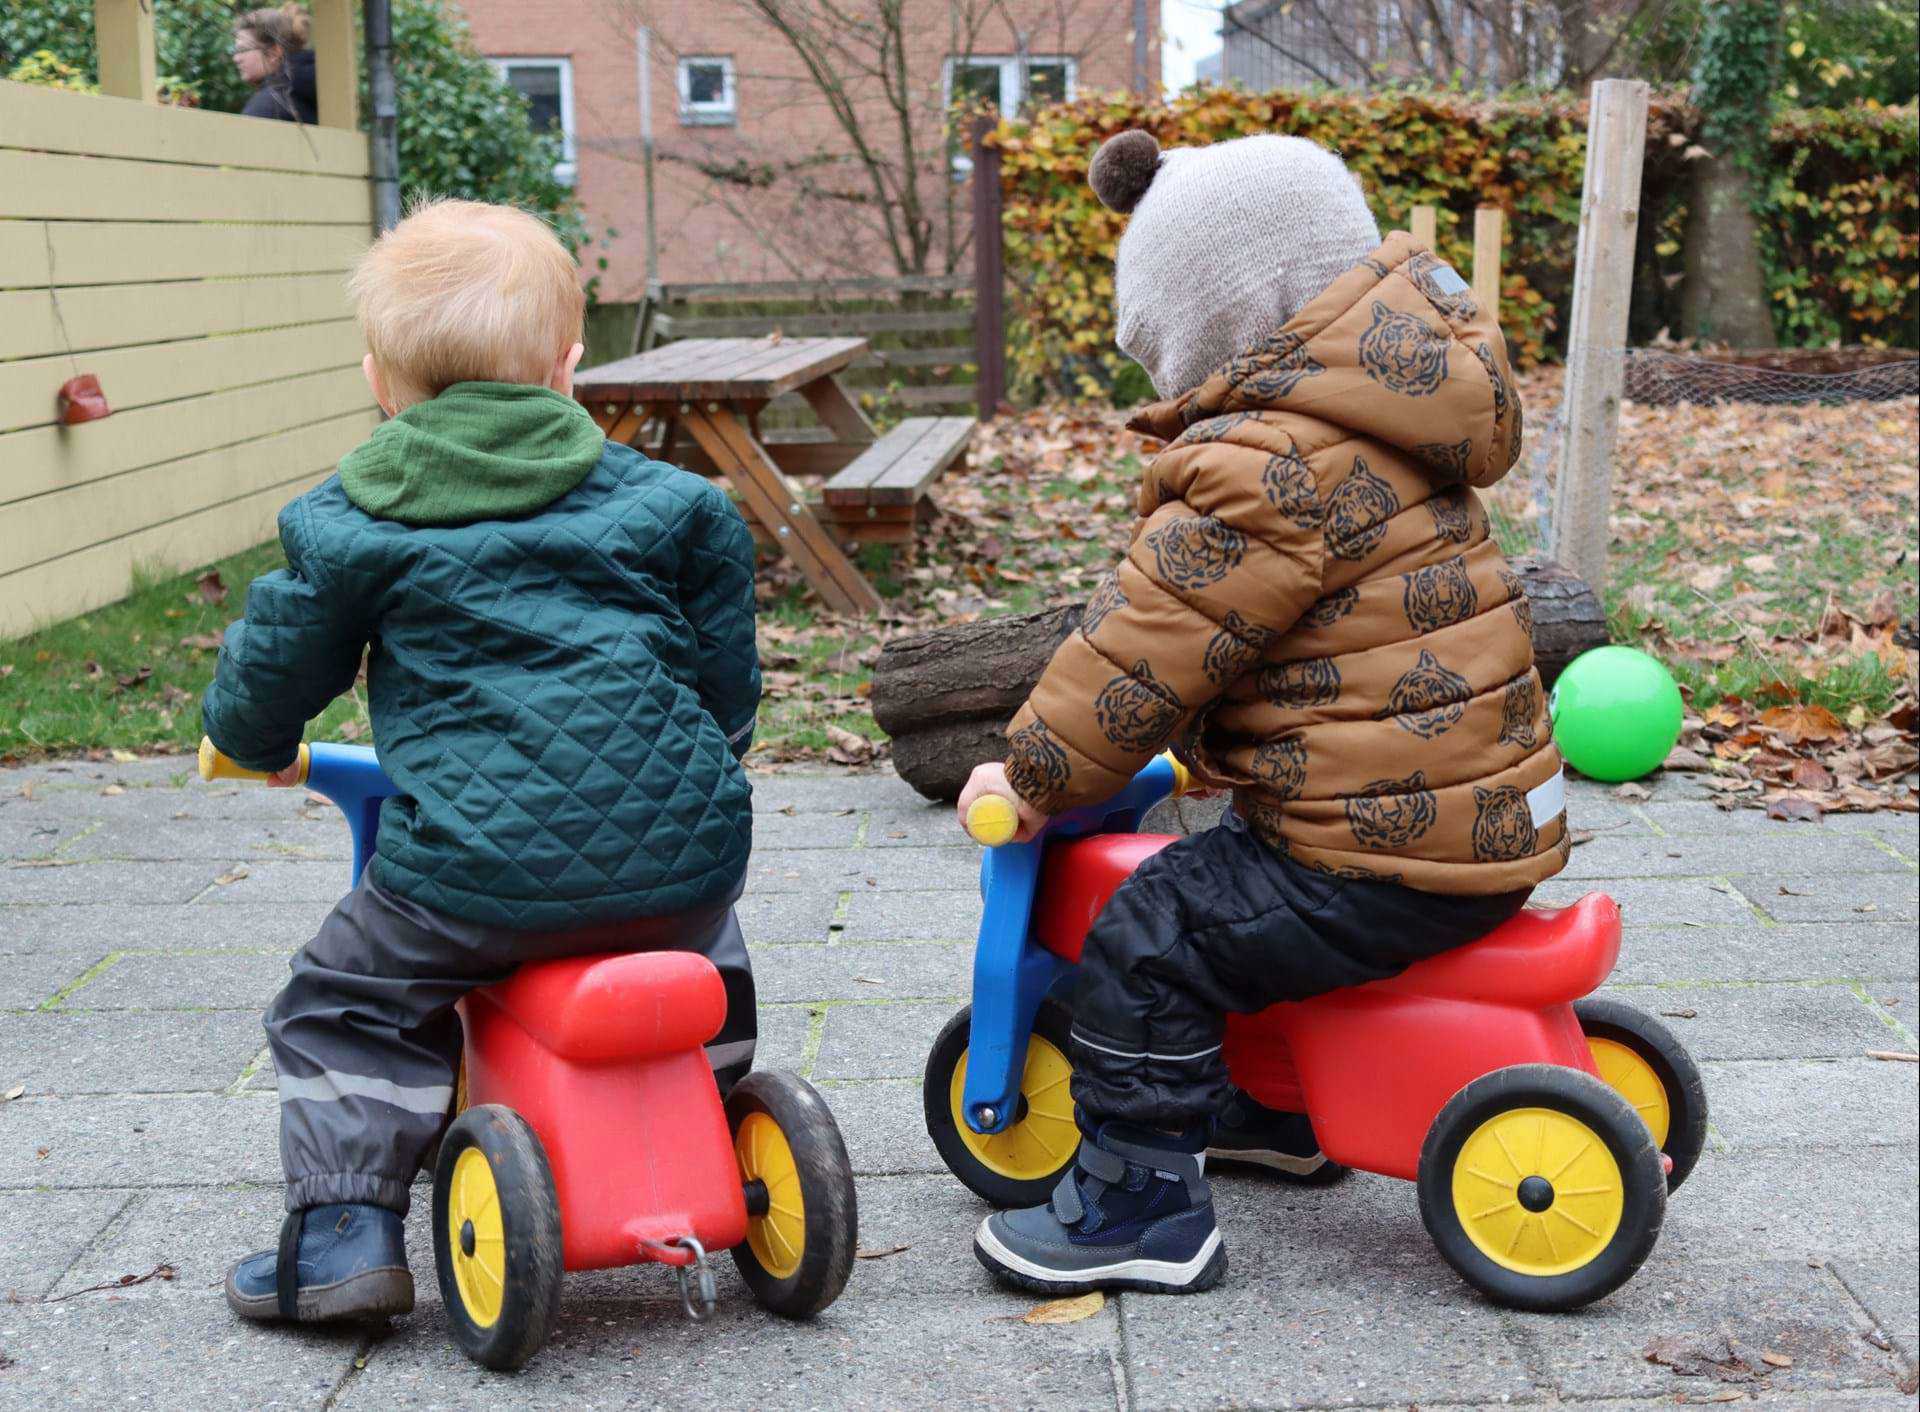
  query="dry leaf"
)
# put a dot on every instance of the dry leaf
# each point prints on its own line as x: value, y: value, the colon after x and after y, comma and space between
x: 1776, y: 1360
x: 114, y: 789
x: 1796, y: 724
x: 1794, y: 808
x: 1633, y: 793
x: 1681, y: 758
x: 239, y: 872
x: 1681, y: 1014
x: 202, y: 642
x: 124, y: 757
x: 1066, y: 1311
x: 211, y: 587
x: 13, y: 1093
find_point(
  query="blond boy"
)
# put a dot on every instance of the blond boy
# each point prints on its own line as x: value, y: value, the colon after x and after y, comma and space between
x: 562, y: 679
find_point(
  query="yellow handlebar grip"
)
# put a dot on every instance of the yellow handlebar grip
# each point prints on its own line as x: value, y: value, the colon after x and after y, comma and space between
x: 215, y: 766
x: 992, y: 821
x: 1182, y: 776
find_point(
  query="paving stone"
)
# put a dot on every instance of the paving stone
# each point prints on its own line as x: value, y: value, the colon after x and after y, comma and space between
x: 1784, y: 1204
x: 225, y: 980
x: 782, y: 1041
x: 1766, y: 1021
x: 107, y: 882
x: 139, y: 1141
x: 860, y: 1353
x: 41, y: 1233
x: 856, y: 870
x: 884, y: 1125
x: 1716, y: 855
x: 1656, y: 901
x: 38, y: 835
x: 30, y: 980
x: 1784, y: 1307
x: 879, y: 1041
x: 1897, y: 1007
x: 787, y: 916
x: 75, y: 773
x: 1797, y: 897
x: 273, y: 881
x: 239, y: 802
x: 888, y: 971
x: 200, y: 1231
x: 1756, y: 951
x: 1846, y: 1104
x: 928, y: 826
x: 913, y: 916
x: 825, y: 793
x: 1702, y: 817
x: 214, y: 840
x: 1366, y: 1327
x: 128, y: 1051
x: 778, y: 831
x: 1889, y: 1289
x: 106, y: 1350
x: 98, y: 929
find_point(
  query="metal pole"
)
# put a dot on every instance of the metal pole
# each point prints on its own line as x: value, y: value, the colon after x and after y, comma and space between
x: 646, y: 151
x: 385, y: 130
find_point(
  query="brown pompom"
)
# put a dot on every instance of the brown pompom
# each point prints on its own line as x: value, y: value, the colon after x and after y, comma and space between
x: 1123, y: 168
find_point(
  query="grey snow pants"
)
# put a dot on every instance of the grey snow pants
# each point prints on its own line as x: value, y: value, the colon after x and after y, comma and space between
x: 367, y: 1045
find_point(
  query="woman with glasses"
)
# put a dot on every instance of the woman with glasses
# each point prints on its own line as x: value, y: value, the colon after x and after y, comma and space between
x: 270, y: 51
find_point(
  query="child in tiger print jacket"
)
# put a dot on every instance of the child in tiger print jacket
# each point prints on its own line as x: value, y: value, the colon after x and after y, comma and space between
x: 1312, y: 614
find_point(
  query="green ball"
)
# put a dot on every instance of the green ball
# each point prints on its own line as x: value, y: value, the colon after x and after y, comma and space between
x: 1616, y: 713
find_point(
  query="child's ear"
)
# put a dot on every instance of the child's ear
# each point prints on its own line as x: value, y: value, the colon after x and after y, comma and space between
x: 378, y: 385
x: 561, y: 380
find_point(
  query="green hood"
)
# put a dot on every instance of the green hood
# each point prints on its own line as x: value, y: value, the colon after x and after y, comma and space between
x: 478, y: 451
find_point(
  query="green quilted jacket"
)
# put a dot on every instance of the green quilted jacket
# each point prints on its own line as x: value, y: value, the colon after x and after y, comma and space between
x: 562, y: 674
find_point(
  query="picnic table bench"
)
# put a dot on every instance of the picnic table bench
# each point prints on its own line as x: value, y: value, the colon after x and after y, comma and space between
x: 711, y: 392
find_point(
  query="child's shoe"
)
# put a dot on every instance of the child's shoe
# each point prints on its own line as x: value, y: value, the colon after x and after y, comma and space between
x: 345, y: 1262
x: 1133, y: 1212
x: 1281, y: 1143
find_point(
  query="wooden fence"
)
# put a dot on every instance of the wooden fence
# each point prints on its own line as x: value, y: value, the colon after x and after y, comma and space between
x: 194, y: 263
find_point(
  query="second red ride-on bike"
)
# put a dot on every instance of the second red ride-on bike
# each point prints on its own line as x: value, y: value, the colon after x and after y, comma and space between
x: 1542, y: 1125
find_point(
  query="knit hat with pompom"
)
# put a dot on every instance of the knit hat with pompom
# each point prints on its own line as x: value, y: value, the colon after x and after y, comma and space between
x: 1225, y: 245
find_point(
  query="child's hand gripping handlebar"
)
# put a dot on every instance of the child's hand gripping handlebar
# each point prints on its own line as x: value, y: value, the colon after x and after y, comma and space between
x: 216, y: 766
x: 992, y: 820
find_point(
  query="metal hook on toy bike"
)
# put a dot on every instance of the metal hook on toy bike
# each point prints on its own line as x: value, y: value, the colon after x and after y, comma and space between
x: 694, y: 1274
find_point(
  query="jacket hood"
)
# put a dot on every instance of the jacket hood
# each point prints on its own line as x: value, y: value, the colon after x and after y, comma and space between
x: 300, y: 74
x: 1395, y: 350
x: 478, y: 451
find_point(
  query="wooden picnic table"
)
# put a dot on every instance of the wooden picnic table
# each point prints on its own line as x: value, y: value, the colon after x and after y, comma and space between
x: 713, y: 391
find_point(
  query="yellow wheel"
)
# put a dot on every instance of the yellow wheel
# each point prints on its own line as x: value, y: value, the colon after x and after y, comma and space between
x: 1642, y: 1060
x: 1021, y: 1164
x: 802, y: 1218
x: 496, y: 1236
x: 1542, y: 1187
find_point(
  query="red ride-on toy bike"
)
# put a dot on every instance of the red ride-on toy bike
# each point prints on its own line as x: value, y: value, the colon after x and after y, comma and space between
x: 1543, y: 1126
x: 592, y: 1135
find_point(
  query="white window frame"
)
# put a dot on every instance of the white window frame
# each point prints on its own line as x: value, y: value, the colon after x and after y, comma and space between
x: 567, y: 169
x: 724, y: 113
x: 1012, y: 76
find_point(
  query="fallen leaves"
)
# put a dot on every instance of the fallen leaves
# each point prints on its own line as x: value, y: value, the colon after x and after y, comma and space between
x: 13, y: 1093
x: 1066, y: 1311
x: 209, y: 588
x: 203, y: 641
x: 1715, y: 1356
x: 1799, y: 724
x: 227, y: 879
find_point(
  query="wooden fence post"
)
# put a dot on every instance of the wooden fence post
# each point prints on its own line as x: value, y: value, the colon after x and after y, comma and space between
x: 1489, y: 228
x: 989, y: 309
x: 1424, y: 226
x: 124, y: 31
x: 335, y: 74
x: 1597, y: 334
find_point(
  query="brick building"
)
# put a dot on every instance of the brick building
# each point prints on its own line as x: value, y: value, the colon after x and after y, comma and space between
x: 755, y: 175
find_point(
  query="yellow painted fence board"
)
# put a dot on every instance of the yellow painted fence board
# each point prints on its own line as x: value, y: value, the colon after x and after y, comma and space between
x: 50, y: 120
x: 139, y: 377
x: 34, y: 322
x: 50, y: 527
x: 45, y: 459
x: 59, y: 186
x: 34, y: 254
x: 104, y: 574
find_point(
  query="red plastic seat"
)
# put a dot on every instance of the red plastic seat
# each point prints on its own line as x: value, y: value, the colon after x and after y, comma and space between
x: 593, y: 1009
x: 1544, y: 956
x: 1076, y: 880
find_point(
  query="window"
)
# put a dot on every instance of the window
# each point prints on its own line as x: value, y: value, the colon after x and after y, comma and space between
x: 707, y: 96
x: 547, y: 85
x: 1008, y: 82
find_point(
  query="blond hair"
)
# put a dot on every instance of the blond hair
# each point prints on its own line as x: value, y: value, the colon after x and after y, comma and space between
x: 464, y: 291
x: 285, y: 28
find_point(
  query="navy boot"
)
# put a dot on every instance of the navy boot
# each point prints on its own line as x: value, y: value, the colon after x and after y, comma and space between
x: 346, y: 1262
x: 1133, y: 1212
x: 1277, y: 1142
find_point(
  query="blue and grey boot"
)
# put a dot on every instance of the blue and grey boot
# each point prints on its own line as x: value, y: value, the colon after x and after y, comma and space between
x: 1133, y: 1212
x: 345, y: 1262
x: 1277, y: 1142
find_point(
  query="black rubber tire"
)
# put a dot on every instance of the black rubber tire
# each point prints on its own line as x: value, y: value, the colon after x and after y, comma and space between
x: 1604, y: 1018
x: 1054, y: 1023
x: 1611, y: 1117
x: 832, y: 1230
x: 530, y: 1220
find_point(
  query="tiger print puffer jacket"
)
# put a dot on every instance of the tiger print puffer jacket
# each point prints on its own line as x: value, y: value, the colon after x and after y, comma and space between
x: 1312, y: 612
